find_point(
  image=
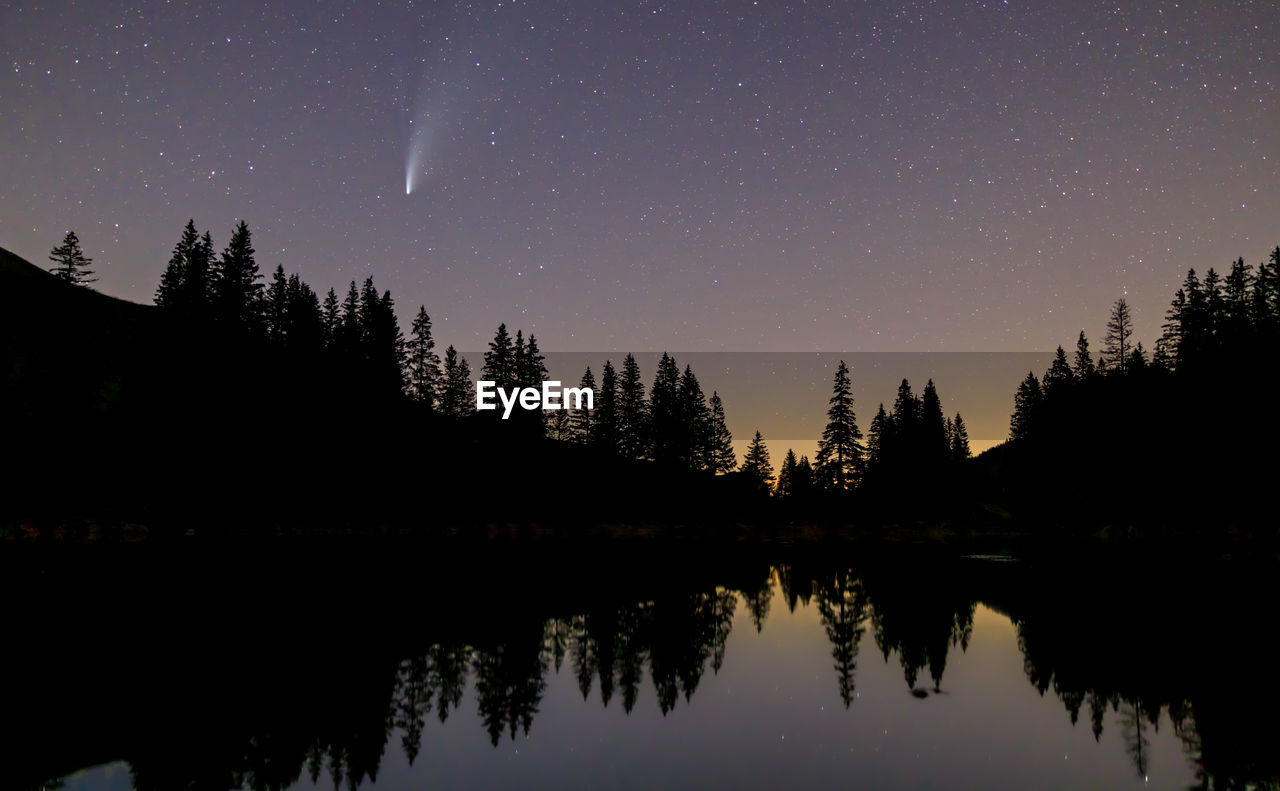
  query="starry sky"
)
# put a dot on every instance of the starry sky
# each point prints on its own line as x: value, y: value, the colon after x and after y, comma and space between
x: 698, y: 176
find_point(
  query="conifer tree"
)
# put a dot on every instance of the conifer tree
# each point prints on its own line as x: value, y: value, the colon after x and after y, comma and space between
x: 70, y: 263
x: 331, y: 315
x: 959, y: 439
x: 197, y: 282
x: 1059, y: 375
x: 1265, y: 298
x: 582, y: 424
x: 237, y: 290
x: 606, y: 431
x: 1237, y: 308
x: 1026, y: 403
x: 499, y: 361
x: 633, y: 412
x: 172, y: 291
x: 787, y: 475
x: 277, y: 302
x: 1083, y: 368
x: 1116, y: 346
x: 875, y: 434
x: 840, y: 454
x: 1170, y: 343
x: 694, y: 422
x: 425, y: 383
x: 664, y: 411
x: 457, y: 399
x: 349, y: 337
x: 933, y: 429
x: 802, y: 479
x: 755, y: 464
x: 304, y: 325
x: 720, y: 452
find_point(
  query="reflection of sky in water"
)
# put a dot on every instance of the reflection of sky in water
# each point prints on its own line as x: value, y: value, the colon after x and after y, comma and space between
x: 772, y: 718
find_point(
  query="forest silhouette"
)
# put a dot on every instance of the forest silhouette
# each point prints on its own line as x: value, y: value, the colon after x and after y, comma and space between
x: 264, y: 683
x: 264, y: 403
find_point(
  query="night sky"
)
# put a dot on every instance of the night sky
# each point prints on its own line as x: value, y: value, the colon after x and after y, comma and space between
x: 686, y: 176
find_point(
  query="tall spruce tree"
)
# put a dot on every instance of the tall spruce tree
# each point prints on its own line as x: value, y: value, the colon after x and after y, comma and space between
x: 500, y: 360
x: 237, y: 290
x: 332, y: 317
x: 959, y: 439
x: 172, y: 291
x: 1059, y: 376
x: 277, y: 305
x: 695, y: 423
x: 934, y: 441
x: 755, y: 463
x: 633, y: 412
x: 875, y: 434
x: 840, y: 453
x: 1083, y: 367
x: 787, y: 475
x: 1026, y: 405
x: 664, y: 411
x: 582, y: 424
x: 457, y: 398
x: 70, y: 263
x: 720, y: 449
x: 425, y: 383
x: 606, y: 431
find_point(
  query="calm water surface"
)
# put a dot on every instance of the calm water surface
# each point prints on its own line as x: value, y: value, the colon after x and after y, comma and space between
x: 741, y: 673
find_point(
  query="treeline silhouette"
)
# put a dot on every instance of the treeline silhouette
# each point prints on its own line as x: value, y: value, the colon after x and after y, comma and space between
x: 1178, y: 437
x: 185, y: 707
x: 336, y: 402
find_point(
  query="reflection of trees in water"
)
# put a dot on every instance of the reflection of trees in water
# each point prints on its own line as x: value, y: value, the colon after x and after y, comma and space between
x: 1092, y: 656
x: 842, y: 604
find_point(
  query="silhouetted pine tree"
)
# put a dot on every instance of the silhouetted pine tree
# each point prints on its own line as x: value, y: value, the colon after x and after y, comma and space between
x: 425, y: 383
x: 70, y: 263
x: 720, y: 450
x: 606, y: 432
x: 331, y: 316
x: 1116, y: 346
x: 172, y: 291
x: 349, y: 334
x: 802, y: 480
x: 787, y: 475
x: 582, y: 423
x: 959, y: 439
x: 304, y: 325
x: 277, y: 305
x: 1083, y: 367
x: 633, y: 412
x: 1265, y: 299
x: 935, y: 445
x: 457, y: 398
x: 1026, y: 405
x: 755, y: 464
x: 875, y: 432
x: 499, y: 362
x: 695, y: 422
x: 840, y: 456
x: 237, y: 292
x: 664, y: 412
x: 1059, y: 376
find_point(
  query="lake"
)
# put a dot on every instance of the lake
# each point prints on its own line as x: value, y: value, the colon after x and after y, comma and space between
x: 268, y: 666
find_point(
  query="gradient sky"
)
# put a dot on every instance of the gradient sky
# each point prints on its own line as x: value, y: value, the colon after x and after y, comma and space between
x: 697, y: 176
